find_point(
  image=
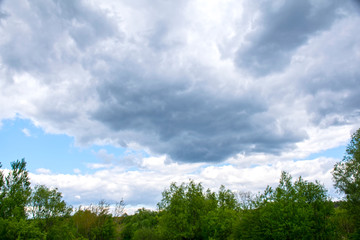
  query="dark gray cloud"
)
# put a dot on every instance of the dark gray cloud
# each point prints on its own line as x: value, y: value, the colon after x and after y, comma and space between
x: 41, y: 33
x: 157, y: 84
x: 356, y: 3
x: 187, y: 122
x: 2, y: 13
x: 279, y: 28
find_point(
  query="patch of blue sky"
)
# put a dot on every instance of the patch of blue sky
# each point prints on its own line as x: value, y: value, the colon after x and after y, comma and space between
x: 336, y: 153
x: 20, y: 138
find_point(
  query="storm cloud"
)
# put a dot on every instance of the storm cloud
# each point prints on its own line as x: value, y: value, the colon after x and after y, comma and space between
x: 168, y: 78
x: 278, y: 28
x: 188, y: 123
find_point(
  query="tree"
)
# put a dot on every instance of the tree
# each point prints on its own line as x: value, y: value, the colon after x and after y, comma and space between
x: 51, y: 213
x: 297, y: 210
x: 95, y: 222
x: 222, y: 213
x: 2, y: 185
x: 182, y: 207
x: 189, y: 212
x: 141, y: 225
x: 47, y: 203
x: 14, y: 198
x: 346, y: 175
x: 13, y: 229
x: 15, y: 191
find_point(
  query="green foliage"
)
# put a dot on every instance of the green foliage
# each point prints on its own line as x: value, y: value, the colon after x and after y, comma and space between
x: 2, y: 182
x: 182, y: 205
x: 145, y: 234
x: 13, y: 229
x: 346, y: 175
x: 15, y: 191
x: 46, y: 203
x: 62, y: 228
x: 141, y: 225
x: 187, y: 212
x: 291, y: 211
x: 51, y: 213
x: 221, y: 214
x: 95, y: 222
x: 343, y: 224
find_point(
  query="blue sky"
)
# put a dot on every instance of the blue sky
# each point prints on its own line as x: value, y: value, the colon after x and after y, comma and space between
x: 40, y: 150
x: 20, y: 138
x: 117, y: 99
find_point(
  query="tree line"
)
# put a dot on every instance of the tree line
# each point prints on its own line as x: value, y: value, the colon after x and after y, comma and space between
x: 295, y: 209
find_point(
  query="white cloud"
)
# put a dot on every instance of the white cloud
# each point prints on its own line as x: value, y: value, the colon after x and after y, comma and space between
x: 98, y: 165
x: 26, y: 132
x: 143, y: 187
x: 43, y: 171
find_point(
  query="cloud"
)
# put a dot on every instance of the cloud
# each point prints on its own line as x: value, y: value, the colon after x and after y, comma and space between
x: 43, y: 171
x: 2, y: 14
x: 26, y: 132
x: 98, y: 165
x: 186, y: 122
x: 329, y: 80
x: 177, y: 83
x: 104, y: 156
x: 278, y: 28
x: 143, y: 188
x: 68, y: 26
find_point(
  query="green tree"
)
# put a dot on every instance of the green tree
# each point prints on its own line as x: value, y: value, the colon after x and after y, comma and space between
x: 299, y: 210
x: 343, y: 223
x: 189, y: 212
x: 47, y: 203
x: 14, y: 198
x: 15, y: 191
x: 2, y: 190
x: 346, y: 176
x: 17, y: 229
x: 1, y: 183
x: 182, y: 208
x: 141, y: 225
x: 145, y: 234
x: 95, y: 222
x: 51, y: 213
x: 222, y: 213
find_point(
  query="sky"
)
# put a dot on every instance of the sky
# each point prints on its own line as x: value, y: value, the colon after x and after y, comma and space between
x: 117, y: 99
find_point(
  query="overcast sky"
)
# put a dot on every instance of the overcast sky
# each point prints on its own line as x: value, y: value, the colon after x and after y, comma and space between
x: 117, y: 99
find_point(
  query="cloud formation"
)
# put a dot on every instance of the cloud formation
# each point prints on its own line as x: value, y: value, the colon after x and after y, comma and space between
x: 197, y: 81
x: 143, y: 188
x: 278, y: 28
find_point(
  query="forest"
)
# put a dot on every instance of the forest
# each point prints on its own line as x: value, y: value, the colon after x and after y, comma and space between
x: 295, y: 209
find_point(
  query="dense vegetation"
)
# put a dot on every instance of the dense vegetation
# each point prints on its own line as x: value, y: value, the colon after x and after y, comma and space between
x: 293, y: 210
